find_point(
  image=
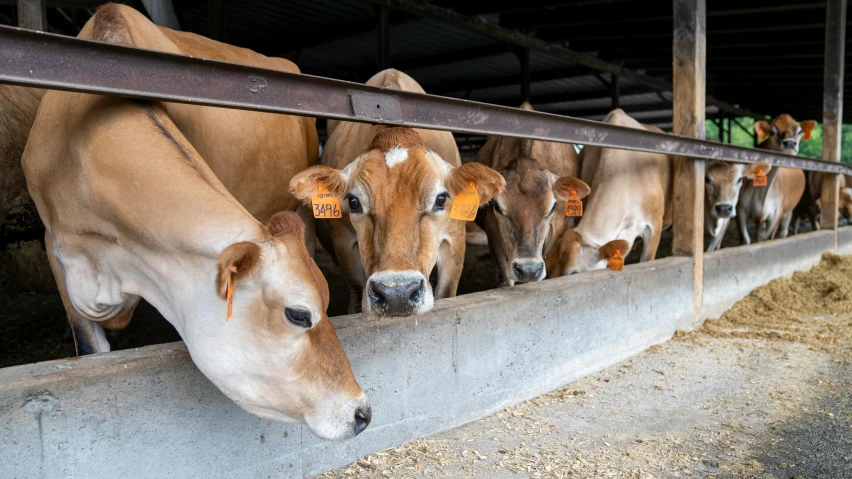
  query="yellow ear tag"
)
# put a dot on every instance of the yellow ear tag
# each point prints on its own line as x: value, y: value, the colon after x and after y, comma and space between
x: 325, y: 204
x: 229, y: 297
x: 573, y: 207
x: 759, y: 179
x: 616, y: 263
x: 465, y: 204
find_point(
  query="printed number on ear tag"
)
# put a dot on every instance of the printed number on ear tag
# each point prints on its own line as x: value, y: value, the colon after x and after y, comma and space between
x: 616, y: 263
x: 325, y: 203
x: 465, y: 204
x: 573, y: 207
x: 759, y: 179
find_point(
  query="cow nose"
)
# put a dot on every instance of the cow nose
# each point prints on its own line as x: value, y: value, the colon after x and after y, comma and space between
x: 789, y: 143
x: 363, y: 416
x: 724, y: 210
x: 528, y: 270
x: 397, y: 298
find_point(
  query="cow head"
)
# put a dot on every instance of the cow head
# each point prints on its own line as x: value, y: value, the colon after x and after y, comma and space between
x: 723, y: 182
x: 573, y: 254
x: 529, y: 211
x: 784, y: 133
x: 278, y: 356
x: 398, y: 196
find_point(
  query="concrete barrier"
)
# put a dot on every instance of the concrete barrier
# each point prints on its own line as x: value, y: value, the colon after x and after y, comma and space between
x: 731, y: 273
x: 844, y: 240
x: 150, y: 413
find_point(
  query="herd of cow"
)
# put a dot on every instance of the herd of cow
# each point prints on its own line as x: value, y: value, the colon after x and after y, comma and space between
x: 206, y: 213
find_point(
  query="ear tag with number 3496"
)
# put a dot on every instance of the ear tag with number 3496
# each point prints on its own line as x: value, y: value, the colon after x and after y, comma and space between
x: 325, y: 203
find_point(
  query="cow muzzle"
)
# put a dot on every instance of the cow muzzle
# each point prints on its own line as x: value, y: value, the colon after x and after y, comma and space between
x: 723, y: 210
x: 397, y: 293
x: 527, y: 270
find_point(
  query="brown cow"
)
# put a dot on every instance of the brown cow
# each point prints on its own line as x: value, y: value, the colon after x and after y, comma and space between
x: 808, y: 206
x: 631, y: 197
x: 723, y: 183
x: 524, y: 221
x: 771, y: 206
x: 396, y: 188
x: 131, y: 211
x: 18, y: 108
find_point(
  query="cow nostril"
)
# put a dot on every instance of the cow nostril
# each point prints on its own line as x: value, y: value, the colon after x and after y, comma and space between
x: 415, y: 295
x: 376, y: 294
x: 539, y: 270
x: 519, y: 272
x: 363, y: 416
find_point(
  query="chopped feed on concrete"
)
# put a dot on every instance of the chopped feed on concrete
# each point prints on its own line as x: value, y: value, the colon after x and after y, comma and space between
x: 763, y: 392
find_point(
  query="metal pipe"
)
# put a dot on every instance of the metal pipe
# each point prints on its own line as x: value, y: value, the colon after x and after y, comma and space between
x: 58, y: 62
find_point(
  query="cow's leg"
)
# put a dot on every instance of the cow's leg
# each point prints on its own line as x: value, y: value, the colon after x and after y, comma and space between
x: 307, y: 215
x: 89, y: 337
x: 348, y: 257
x: 766, y: 228
x: 813, y: 213
x: 451, y: 261
x: 742, y: 227
x: 718, y: 234
x: 784, y: 227
x: 495, y: 247
x: 651, y: 242
x: 797, y: 222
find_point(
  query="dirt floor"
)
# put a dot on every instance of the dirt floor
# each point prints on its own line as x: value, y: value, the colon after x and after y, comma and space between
x: 763, y: 392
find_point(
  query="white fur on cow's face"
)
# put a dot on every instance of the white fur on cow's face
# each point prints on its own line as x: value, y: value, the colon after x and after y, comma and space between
x: 396, y: 155
x: 257, y: 356
x: 588, y: 259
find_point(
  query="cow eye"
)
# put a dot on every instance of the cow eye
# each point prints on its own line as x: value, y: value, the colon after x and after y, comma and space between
x: 354, y: 204
x: 441, y: 202
x: 552, y: 209
x: 497, y: 208
x: 739, y: 180
x: 708, y: 180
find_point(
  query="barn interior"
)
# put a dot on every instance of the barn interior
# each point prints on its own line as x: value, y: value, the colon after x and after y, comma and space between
x: 579, y: 58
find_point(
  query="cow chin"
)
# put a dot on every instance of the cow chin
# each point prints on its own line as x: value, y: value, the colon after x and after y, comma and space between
x: 338, y: 421
x: 397, y: 293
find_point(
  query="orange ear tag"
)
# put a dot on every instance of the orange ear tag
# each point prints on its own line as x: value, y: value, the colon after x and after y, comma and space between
x: 465, y: 204
x: 760, y: 135
x: 325, y: 204
x: 759, y: 179
x: 573, y: 207
x: 229, y: 297
x: 616, y: 263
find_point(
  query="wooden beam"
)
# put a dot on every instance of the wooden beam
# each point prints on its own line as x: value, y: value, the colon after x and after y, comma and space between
x: 215, y: 20
x: 31, y: 15
x: 690, y: 27
x: 382, y: 38
x: 832, y: 107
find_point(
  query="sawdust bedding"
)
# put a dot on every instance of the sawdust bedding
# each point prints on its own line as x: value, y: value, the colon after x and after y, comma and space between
x: 813, y: 308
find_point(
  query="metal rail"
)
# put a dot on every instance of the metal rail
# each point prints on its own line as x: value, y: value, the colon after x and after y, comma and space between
x: 45, y: 60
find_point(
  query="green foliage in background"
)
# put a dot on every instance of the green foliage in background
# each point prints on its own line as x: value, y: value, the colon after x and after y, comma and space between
x: 811, y: 148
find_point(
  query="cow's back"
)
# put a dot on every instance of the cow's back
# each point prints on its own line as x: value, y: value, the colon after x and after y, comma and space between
x: 347, y: 139
x: 254, y: 154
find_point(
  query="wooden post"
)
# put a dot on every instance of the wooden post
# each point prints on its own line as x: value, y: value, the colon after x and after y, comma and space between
x: 31, y: 14
x: 689, y: 96
x: 383, y: 38
x: 524, y: 57
x: 832, y: 109
x: 216, y: 20
x: 615, y: 92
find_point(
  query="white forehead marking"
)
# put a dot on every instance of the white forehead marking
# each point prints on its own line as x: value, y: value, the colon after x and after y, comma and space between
x: 442, y: 165
x: 347, y: 171
x: 396, y: 155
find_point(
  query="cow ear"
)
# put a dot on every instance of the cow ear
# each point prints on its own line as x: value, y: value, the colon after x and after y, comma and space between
x: 565, y: 185
x: 807, y: 127
x: 488, y: 182
x: 305, y: 184
x: 750, y: 171
x: 236, y: 261
x: 762, y: 129
x: 608, y: 250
